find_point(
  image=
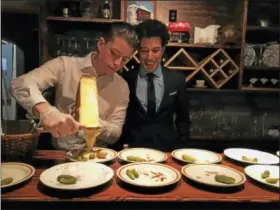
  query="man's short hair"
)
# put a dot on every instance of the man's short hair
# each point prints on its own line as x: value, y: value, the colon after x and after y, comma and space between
x: 121, y: 29
x: 153, y: 28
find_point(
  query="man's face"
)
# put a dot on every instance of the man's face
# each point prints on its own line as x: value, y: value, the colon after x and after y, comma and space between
x: 113, y: 55
x: 150, y: 53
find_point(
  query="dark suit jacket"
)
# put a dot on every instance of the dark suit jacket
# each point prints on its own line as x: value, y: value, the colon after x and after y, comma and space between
x: 163, y: 132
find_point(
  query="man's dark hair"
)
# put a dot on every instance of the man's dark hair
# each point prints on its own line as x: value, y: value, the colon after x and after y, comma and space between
x: 153, y: 28
x: 121, y: 29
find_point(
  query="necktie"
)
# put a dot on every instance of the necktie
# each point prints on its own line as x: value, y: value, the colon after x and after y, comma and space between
x: 151, y: 106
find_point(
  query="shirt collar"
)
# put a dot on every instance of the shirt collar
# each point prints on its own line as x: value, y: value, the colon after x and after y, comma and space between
x: 157, y: 72
x: 87, y: 67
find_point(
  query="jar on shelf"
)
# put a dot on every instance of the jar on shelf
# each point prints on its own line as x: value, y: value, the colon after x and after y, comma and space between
x: 89, y: 8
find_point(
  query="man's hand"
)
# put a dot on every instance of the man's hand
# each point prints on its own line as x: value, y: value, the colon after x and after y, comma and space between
x: 59, y: 124
x: 75, y: 112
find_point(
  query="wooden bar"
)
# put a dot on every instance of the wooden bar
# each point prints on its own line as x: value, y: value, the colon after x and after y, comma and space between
x: 33, y: 195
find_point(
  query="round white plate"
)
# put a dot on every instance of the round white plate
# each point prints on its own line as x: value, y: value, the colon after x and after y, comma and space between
x: 150, y: 174
x: 255, y: 171
x: 111, y: 155
x: 263, y: 157
x: 89, y: 175
x: 205, y: 174
x: 201, y: 156
x: 19, y: 172
x: 150, y: 155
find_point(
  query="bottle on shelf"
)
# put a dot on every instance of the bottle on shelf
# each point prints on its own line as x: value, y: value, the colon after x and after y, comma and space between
x: 106, y: 10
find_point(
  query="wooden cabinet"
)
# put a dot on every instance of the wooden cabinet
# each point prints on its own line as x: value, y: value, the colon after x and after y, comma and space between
x: 261, y: 66
x: 221, y: 66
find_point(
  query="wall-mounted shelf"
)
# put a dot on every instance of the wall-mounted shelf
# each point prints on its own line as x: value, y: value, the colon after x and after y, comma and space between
x: 261, y: 89
x: 220, y: 65
x: 261, y: 68
x: 260, y: 28
x: 82, y: 19
x: 214, y: 46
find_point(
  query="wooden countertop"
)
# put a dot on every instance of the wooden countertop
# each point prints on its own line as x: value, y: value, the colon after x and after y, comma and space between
x: 184, y: 193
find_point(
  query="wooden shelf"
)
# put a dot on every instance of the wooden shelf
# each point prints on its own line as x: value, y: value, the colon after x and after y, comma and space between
x: 214, y: 46
x: 82, y: 19
x: 244, y: 89
x: 261, y: 89
x: 261, y: 68
x: 183, y: 68
x: 260, y: 28
x: 211, y: 90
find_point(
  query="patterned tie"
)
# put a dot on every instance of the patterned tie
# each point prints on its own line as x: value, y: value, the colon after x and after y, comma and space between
x: 151, y: 107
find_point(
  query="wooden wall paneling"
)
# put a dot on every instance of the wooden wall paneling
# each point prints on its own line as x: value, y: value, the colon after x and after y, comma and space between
x: 244, y: 27
x: 43, y: 34
x: 202, y: 13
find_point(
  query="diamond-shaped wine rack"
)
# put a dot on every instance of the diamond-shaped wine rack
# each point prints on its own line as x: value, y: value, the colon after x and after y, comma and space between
x: 218, y: 68
x: 181, y: 60
x: 133, y: 62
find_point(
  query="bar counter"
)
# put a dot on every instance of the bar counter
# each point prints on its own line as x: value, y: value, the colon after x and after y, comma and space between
x: 184, y: 195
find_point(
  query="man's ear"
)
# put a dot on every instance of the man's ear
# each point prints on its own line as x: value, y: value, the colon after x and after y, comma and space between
x: 100, y: 43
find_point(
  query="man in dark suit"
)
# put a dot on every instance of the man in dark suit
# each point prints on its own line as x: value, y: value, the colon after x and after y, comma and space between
x: 157, y: 115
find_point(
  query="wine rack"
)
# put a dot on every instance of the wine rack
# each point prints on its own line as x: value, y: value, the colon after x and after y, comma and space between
x: 217, y: 67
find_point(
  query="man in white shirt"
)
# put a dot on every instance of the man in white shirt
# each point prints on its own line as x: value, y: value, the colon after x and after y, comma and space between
x: 115, y: 47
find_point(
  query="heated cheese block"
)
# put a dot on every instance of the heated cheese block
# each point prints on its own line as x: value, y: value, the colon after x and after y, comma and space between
x: 88, y: 112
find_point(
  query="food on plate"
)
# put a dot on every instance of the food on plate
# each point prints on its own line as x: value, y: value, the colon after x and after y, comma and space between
x: 135, y: 158
x: 101, y: 154
x: 66, y: 179
x: 158, y: 176
x: 7, y: 181
x: 224, y: 179
x: 132, y: 173
x: 85, y: 155
x: 272, y: 180
x: 188, y: 158
x: 265, y: 174
x: 153, y: 175
x: 253, y: 160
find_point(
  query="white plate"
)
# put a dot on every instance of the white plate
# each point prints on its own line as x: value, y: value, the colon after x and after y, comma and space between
x: 150, y: 155
x: 147, y: 173
x: 19, y: 172
x: 263, y: 157
x: 205, y: 174
x: 111, y: 155
x: 89, y: 175
x: 201, y: 156
x: 255, y: 171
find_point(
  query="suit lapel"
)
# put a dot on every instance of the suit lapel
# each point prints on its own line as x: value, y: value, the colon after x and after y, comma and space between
x: 167, y: 81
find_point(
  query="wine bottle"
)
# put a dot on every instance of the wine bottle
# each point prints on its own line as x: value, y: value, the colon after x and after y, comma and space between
x: 106, y: 10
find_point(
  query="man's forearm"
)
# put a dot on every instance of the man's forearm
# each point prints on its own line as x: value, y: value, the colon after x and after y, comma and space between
x: 40, y: 108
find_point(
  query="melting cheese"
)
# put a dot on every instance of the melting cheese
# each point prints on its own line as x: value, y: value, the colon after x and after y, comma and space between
x: 88, y: 112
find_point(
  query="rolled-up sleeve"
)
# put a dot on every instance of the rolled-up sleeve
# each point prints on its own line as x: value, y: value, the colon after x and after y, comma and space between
x: 27, y: 89
x: 111, y: 128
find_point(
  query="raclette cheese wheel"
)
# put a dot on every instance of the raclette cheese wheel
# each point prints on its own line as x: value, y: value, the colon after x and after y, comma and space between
x: 88, y: 112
